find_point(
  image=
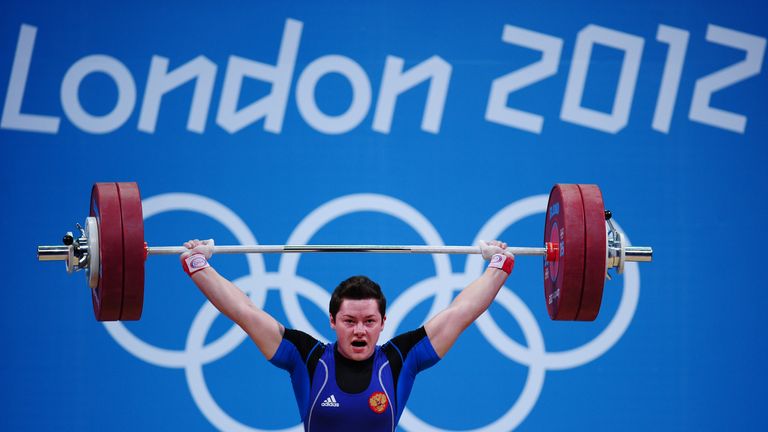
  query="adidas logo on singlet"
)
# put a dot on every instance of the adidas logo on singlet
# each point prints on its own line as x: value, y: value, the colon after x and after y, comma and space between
x: 330, y: 402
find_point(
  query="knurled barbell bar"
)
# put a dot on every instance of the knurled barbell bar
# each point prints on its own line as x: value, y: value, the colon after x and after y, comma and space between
x: 580, y: 245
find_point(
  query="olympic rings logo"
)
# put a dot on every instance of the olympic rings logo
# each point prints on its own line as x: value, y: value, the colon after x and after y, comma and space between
x: 197, y: 353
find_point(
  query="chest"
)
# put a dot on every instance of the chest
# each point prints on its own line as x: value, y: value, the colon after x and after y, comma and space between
x: 335, y: 409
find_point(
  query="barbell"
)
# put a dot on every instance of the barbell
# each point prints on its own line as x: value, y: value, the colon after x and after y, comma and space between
x: 580, y: 245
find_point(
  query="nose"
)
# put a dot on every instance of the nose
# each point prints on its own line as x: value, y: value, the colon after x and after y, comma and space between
x: 359, y: 328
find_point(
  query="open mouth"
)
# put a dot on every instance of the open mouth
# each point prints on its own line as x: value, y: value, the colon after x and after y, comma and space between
x: 359, y: 344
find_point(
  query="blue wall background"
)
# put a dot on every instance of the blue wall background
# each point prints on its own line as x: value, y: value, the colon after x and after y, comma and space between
x: 679, y: 343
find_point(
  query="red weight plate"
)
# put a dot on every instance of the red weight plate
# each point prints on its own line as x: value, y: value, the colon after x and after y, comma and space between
x: 595, y: 252
x: 108, y: 295
x: 563, y: 278
x: 133, y: 251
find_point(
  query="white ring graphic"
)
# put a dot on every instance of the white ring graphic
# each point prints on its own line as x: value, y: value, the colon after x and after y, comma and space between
x: 441, y: 286
x: 552, y: 360
x: 354, y: 204
x: 533, y: 384
x: 234, y: 336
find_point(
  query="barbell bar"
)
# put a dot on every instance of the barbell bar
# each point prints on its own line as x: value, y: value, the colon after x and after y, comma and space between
x: 112, y: 251
x: 60, y: 253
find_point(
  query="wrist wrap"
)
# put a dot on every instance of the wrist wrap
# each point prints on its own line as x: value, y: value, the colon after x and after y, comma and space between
x: 502, y: 262
x: 194, y: 263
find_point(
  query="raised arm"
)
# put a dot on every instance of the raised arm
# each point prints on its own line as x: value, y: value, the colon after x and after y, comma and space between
x: 446, y: 326
x: 263, y: 329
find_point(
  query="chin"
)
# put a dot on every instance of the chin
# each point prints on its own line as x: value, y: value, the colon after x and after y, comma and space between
x: 359, y: 354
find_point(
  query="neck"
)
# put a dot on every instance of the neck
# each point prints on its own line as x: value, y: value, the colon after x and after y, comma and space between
x: 340, y: 356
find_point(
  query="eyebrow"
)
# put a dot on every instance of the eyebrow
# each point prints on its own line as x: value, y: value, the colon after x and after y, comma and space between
x: 353, y: 316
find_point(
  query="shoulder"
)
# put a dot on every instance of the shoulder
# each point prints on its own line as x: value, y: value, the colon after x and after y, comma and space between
x: 403, y: 344
x: 411, y: 350
x: 296, y: 347
x: 414, y: 343
x: 301, y: 340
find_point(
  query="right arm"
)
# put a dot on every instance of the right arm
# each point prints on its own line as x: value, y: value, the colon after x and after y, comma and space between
x: 262, y: 328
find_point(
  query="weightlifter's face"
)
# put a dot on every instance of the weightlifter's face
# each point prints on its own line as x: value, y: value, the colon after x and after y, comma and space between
x: 358, y: 325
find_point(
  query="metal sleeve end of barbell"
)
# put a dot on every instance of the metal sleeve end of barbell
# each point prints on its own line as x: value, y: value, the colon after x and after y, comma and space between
x: 52, y: 253
x: 638, y: 253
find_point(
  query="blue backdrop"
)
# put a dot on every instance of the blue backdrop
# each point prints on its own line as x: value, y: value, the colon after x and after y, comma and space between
x: 399, y: 123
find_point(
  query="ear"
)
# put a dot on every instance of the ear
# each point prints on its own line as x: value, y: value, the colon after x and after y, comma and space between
x: 333, y: 321
x: 383, y: 320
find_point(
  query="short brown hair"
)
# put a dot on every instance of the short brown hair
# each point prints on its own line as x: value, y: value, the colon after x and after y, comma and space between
x: 357, y: 288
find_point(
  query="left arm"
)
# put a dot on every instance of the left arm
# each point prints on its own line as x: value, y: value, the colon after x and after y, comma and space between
x: 445, y: 327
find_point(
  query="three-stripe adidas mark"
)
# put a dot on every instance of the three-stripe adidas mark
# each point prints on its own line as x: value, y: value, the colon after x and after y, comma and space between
x: 330, y: 402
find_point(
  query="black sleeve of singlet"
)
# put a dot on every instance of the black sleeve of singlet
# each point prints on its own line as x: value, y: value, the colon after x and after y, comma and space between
x: 310, y: 349
x: 397, y: 349
x: 303, y: 342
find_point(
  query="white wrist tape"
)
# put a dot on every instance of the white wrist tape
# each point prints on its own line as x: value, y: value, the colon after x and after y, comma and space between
x: 195, y: 263
x: 502, y: 262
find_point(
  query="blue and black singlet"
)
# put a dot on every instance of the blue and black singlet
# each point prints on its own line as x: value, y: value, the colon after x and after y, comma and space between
x: 337, y: 394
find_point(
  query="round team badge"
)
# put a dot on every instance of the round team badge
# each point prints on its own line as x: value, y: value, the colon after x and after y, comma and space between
x: 378, y: 402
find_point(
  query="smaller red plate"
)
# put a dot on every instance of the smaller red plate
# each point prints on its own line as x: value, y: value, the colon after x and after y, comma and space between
x: 595, y: 253
x: 563, y: 278
x: 133, y: 251
x: 107, y: 297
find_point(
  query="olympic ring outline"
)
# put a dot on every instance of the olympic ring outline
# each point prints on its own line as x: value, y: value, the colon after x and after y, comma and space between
x: 353, y: 204
x: 196, y: 353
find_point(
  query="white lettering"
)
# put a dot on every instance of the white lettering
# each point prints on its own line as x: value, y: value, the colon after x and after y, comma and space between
x: 361, y: 94
x: 13, y: 118
x: 395, y: 82
x: 617, y: 119
x: 670, y: 80
x: 234, y: 114
x: 160, y: 82
x: 272, y: 106
x: 497, y: 110
x: 726, y: 77
x: 126, y: 94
